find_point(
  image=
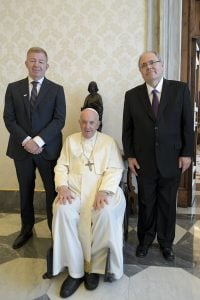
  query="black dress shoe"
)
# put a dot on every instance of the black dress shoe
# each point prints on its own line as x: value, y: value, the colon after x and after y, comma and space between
x: 168, y: 253
x: 141, y: 251
x: 69, y: 286
x: 91, y: 281
x: 22, y: 238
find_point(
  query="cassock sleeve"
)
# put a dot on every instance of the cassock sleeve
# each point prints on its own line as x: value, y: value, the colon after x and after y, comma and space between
x: 62, y: 167
x: 113, y: 173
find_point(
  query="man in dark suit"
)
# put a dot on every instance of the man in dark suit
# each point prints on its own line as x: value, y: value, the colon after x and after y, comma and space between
x: 34, y: 115
x: 158, y: 143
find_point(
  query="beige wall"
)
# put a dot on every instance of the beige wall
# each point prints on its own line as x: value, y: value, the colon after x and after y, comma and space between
x: 86, y: 40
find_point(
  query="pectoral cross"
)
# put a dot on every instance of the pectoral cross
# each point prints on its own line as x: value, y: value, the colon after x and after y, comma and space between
x: 89, y: 165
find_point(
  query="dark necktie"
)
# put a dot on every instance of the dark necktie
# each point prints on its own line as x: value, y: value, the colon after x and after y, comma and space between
x: 155, y: 102
x: 33, y: 95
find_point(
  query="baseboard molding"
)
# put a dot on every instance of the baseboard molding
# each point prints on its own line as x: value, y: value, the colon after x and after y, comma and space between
x: 10, y: 201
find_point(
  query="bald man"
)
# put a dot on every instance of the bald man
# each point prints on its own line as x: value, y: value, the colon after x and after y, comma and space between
x: 88, y: 211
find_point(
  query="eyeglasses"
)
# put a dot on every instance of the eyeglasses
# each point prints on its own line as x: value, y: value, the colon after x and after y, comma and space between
x: 149, y: 64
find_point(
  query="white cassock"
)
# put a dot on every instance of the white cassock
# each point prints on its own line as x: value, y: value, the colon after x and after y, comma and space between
x: 82, y: 235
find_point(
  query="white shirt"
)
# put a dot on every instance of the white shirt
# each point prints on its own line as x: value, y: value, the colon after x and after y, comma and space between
x: 39, y: 141
x: 158, y: 88
x: 31, y: 86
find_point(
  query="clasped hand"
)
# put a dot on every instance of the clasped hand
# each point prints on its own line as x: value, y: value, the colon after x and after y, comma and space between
x: 32, y: 147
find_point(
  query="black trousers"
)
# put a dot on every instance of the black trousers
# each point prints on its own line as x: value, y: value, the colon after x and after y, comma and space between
x: 157, y: 209
x: 26, y: 174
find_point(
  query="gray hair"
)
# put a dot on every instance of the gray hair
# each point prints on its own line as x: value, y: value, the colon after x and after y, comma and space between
x: 37, y: 50
x: 154, y: 52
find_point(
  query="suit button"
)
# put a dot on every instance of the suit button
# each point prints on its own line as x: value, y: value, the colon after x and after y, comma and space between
x: 157, y: 144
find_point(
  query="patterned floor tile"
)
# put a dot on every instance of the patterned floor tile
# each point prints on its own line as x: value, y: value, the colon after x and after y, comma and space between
x: 30, y: 261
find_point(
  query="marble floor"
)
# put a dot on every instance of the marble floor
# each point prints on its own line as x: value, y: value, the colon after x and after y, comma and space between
x: 144, y: 278
x: 149, y: 278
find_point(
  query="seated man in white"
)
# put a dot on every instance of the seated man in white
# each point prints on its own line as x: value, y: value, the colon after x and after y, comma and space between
x: 89, y: 208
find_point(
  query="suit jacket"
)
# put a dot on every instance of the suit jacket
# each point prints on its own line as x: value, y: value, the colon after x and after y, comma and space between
x: 157, y: 143
x: 46, y: 121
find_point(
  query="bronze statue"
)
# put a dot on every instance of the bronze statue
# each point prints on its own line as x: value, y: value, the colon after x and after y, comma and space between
x: 94, y: 100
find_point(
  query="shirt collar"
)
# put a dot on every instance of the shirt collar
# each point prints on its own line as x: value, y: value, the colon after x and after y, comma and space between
x: 39, y: 80
x: 91, y: 140
x: 158, y: 87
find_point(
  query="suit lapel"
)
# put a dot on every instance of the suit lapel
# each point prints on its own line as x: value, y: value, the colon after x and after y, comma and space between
x: 43, y: 90
x: 145, y: 101
x: 164, y: 98
x: 25, y: 95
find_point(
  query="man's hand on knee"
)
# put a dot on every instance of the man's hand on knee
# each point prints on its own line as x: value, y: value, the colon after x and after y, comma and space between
x: 100, y: 200
x: 64, y: 195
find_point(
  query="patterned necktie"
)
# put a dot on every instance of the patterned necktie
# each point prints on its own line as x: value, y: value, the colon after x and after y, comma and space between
x: 33, y: 95
x: 155, y: 102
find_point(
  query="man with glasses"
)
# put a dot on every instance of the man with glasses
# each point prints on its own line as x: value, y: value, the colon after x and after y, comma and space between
x: 158, y: 143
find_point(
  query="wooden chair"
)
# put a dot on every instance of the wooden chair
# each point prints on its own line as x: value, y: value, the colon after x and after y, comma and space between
x: 131, y: 201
